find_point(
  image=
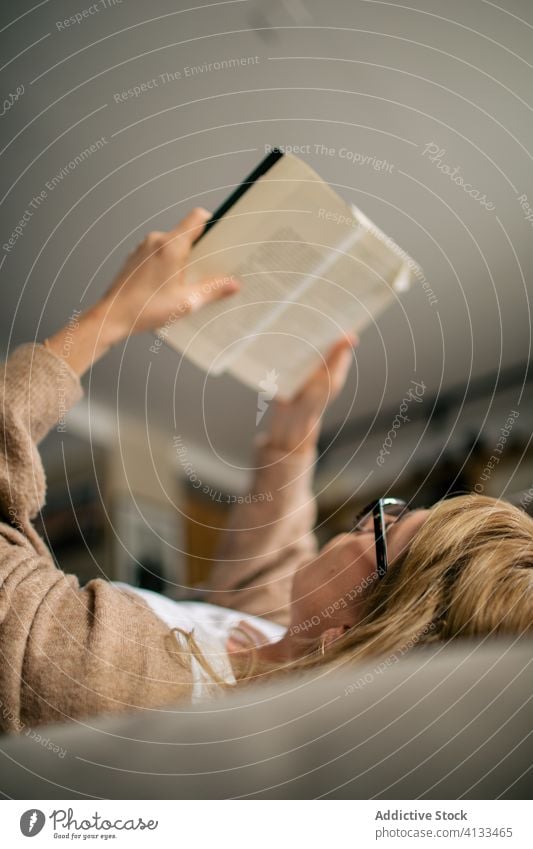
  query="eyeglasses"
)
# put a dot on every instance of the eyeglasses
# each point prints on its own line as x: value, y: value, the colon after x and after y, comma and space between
x: 379, y: 511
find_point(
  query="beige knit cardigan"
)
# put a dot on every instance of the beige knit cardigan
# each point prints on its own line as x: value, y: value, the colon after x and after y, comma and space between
x: 69, y: 652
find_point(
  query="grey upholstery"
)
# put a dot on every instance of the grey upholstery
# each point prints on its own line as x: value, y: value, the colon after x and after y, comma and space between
x: 447, y: 723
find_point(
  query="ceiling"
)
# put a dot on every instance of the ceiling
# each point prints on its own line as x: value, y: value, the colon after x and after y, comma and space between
x: 401, y: 83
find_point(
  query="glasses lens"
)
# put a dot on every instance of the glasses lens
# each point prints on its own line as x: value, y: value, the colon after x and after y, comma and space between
x: 393, y: 507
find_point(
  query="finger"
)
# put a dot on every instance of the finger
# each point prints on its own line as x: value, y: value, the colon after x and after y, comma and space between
x: 346, y: 343
x: 152, y: 241
x: 212, y: 289
x: 337, y: 360
x: 190, y: 227
x: 341, y: 353
x: 338, y: 366
x: 338, y: 356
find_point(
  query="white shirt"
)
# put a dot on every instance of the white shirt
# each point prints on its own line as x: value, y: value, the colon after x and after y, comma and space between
x: 212, y: 626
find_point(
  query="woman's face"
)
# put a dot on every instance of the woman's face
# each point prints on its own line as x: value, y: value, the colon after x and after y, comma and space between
x: 328, y: 592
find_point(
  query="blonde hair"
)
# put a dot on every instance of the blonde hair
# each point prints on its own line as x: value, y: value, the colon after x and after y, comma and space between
x: 467, y: 573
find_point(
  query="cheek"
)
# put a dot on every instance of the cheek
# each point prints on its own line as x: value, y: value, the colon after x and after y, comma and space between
x: 360, y: 555
x: 356, y: 579
x: 343, y: 565
x: 349, y: 568
x: 334, y: 584
x: 316, y: 578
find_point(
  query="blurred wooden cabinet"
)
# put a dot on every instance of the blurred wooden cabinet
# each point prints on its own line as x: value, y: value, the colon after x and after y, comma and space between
x: 203, y: 520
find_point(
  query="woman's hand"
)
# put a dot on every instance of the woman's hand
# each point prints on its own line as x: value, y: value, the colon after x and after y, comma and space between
x: 295, y: 424
x: 149, y: 291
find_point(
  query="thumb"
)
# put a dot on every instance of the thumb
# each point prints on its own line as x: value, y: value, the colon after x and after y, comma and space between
x: 211, y: 289
x: 339, y: 362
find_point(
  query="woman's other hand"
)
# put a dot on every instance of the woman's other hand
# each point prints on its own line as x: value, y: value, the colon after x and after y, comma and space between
x: 295, y: 424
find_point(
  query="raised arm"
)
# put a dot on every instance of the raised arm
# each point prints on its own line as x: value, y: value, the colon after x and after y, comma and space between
x: 270, y: 533
x: 67, y: 651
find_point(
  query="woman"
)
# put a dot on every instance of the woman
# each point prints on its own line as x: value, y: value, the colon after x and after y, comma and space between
x: 274, y: 602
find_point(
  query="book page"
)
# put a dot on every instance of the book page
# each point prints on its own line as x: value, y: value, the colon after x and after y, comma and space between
x: 271, y: 277
x: 359, y: 286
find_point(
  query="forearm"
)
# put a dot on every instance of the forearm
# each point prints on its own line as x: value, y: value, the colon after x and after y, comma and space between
x: 268, y: 536
x: 84, y: 341
x: 292, y: 430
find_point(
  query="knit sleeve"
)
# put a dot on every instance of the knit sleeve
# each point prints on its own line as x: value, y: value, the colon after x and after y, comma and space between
x: 269, y: 537
x: 36, y: 390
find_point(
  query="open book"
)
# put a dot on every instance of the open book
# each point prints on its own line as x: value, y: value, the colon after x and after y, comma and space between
x: 311, y: 268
